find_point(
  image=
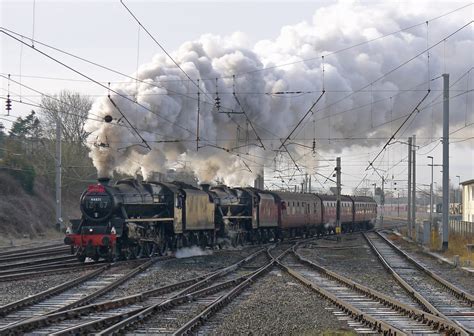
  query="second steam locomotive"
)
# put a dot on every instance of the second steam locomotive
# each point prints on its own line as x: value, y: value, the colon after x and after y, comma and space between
x: 132, y: 218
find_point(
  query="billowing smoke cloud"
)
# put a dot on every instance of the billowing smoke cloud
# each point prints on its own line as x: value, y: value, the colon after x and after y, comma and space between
x: 171, y: 104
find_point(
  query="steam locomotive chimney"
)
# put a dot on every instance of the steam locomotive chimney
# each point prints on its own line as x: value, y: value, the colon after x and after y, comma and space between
x: 104, y: 180
x: 259, y: 181
x: 205, y: 186
x: 155, y: 177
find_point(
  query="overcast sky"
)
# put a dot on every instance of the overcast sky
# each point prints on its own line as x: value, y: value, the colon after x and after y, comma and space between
x: 103, y: 32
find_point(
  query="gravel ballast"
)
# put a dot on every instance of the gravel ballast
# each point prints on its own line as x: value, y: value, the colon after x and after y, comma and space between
x: 275, y: 305
x: 173, y: 270
x: 450, y: 273
x: 353, y: 258
x: 19, y: 289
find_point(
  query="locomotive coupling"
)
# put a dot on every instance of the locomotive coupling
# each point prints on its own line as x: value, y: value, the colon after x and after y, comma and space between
x: 106, y: 241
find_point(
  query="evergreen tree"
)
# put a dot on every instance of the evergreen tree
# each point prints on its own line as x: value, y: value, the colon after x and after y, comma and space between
x: 28, y: 127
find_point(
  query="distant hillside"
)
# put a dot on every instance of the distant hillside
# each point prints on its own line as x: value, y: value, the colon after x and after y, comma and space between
x: 31, y: 214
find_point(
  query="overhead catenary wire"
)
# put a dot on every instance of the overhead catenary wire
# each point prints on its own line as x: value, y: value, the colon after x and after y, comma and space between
x: 397, y: 67
x: 292, y: 94
x: 429, y: 142
x: 162, y: 48
x: 129, y: 123
x: 248, y: 119
x: 260, y: 139
x: 104, y: 86
x: 238, y: 154
x: 398, y: 129
x: 359, y: 90
x: 424, y: 22
x: 135, y: 79
x: 216, y: 102
x: 301, y: 120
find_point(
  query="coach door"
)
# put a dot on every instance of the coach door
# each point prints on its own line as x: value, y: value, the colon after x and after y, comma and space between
x: 308, y: 213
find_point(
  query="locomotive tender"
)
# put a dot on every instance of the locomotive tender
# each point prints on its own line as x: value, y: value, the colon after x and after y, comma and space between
x: 132, y: 218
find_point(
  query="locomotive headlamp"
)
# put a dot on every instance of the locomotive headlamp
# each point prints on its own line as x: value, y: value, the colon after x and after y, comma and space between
x: 113, y: 231
x: 90, y: 230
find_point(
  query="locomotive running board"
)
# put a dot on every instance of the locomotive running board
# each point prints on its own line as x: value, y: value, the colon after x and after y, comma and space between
x: 149, y: 219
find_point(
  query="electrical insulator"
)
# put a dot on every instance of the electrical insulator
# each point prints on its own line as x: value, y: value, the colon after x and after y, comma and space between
x: 218, y: 103
x: 314, y: 145
x: 8, y: 104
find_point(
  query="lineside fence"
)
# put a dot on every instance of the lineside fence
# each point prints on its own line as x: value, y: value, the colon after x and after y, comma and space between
x: 461, y: 227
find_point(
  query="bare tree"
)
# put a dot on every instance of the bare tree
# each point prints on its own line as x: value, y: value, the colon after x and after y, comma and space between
x: 73, y: 109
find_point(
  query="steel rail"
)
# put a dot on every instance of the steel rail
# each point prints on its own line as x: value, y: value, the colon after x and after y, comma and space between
x: 354, y: 313
x: 89, y: 326
x: 47, y: 271
x: 218, y: 304
x: 456, y: 291
x: 35, y: 264
x: 409, y: 288
x: 31, y: 249
x: 13, y: 306
x: 73, y: 313
x: 112, y: 285
x: 84, y: 300
x: 438, y: 323
x: 225, y: 299
x: 57, y: 267
x: 67, y: 312
x: 44, y: 253
x: 181, y: 297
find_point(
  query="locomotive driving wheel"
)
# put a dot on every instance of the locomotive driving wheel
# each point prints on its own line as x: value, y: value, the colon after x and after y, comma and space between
x: 161, y: 241
x: 81, y: 257
x: 237, y: 239
x: 148, y: 249
x: 132, y: 252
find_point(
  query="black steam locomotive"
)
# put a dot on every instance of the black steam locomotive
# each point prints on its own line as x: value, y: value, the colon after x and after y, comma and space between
x: 132, y: 219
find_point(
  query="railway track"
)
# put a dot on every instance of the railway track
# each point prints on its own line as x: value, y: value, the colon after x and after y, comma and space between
x: 197, y: 323
x: 371, y: 311
x: 10, y: 250
x: 120, y: 314
x: 152, y: 312
x: 436, y: 294
x: 36, y: 263
x: 62, y: 250
x: 55, y: 267
x: 66, y: 296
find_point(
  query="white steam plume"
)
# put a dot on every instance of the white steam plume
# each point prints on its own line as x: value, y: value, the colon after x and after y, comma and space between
x: 165, y: 90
